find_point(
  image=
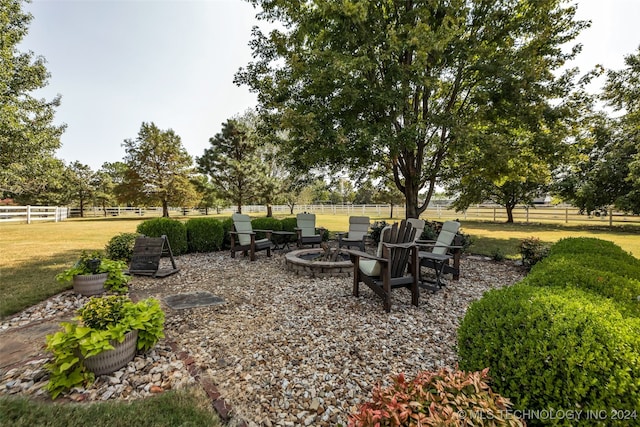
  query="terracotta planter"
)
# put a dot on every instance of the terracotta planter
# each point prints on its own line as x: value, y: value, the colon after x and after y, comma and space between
x: 90, y: 284
x: 112, y: 360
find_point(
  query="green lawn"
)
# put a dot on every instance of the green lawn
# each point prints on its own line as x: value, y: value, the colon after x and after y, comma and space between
x: 173, y: 408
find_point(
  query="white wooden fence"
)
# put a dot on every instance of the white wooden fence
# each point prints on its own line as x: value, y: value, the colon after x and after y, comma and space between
x: 492, y: 213
x: 29, y: 214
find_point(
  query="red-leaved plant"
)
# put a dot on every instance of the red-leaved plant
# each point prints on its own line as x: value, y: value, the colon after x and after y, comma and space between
x: 442, y: 398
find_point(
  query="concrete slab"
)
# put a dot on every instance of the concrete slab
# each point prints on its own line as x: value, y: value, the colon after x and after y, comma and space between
x: 192, y: 299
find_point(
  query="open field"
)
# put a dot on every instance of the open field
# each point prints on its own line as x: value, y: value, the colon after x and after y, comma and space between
x: 32, y: 254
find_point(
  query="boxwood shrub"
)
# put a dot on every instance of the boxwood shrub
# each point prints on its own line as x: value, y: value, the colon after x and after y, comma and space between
x: 585, y: 274
x: 289, y: 224
x: 120, y: 247
x: 558, y: 348
x: 272, y: 224
x: 204, y: 234
x: 175, y: 231
x: 227, y: 226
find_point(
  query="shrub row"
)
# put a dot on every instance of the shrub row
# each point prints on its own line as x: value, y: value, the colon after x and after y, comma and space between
x: 194, y: 235
x: 567, y: 337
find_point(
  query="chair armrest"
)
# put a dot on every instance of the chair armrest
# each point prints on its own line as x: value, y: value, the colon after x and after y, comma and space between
x: 242, y: 232
x: 361, y: 254
x: 421, y: 242
x: 400, y: 245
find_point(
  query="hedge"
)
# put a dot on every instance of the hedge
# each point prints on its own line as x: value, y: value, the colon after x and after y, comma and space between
x: 204, y: 235
x: 557, y: 348
x: 175, y: 231
x: 566, y: 337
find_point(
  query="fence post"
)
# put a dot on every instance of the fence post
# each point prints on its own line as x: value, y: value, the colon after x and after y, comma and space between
x: 611, y: 218
x: 28, y: 214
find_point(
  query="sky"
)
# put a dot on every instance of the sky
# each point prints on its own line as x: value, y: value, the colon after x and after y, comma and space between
x: 119, y: 63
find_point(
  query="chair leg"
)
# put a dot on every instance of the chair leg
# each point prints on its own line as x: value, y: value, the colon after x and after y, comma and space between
x: 356, y: 277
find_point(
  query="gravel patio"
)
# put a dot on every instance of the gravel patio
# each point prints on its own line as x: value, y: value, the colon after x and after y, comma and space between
x: 286, y: 349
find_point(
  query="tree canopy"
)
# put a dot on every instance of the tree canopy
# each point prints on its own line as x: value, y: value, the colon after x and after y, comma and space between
x: 607, y: 171
x: 28, y: 137
x: 232, y: 162
x: 400, y: 85
x: 159, y: 169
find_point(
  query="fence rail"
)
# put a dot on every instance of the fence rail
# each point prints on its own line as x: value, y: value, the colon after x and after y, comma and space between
x: 521, y: 214
x: 29, y: 214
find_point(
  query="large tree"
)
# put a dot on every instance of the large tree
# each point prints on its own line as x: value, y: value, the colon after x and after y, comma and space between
x: 80, y: 179
x: 397, y: 85
x: 233, y: 164
x: 28, y: 137
x: 606, y: 174
x: 159, y: 169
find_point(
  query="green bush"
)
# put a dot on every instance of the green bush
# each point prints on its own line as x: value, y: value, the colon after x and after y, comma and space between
x: 557, y: 348
x: 436, y: 398
x: 289, y: 224
x: 175, y: 231
x: 574, y: 272
x: 204, y: 234
x: 272, y: 224
x: 227, y: 226
x: 120, y: 247
x: 532, y: 251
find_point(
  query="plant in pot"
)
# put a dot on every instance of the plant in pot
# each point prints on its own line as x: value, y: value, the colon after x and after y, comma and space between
x: 103, y: 338
x: 92, y: 274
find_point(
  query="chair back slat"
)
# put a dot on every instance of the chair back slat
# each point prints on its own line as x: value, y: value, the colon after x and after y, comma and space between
x: 402, y: 233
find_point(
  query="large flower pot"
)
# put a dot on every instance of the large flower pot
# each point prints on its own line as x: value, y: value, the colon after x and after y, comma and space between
x: 111, y: 360
x: 89, y: 284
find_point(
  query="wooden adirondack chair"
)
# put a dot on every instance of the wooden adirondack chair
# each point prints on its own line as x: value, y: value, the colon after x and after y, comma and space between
x: 306, y: 229
x: 358, y: 232
x: 394, y: 265
x: 438, y: 253
x: 246, y: 238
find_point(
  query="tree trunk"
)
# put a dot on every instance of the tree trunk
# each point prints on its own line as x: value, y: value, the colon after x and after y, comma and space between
x: 269, y: 211
x: 165, y: 209
x: 291, y: 206
x: 391, y: 213
x: 411, y: 201
x: 81, y: 207
x: 509, y: 213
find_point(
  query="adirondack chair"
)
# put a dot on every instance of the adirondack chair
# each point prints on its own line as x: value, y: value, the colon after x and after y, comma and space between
x: 246, y: 238
x: 357, y: 234
x: 394, y: 265
x: 438, y: 253
x: 418, y: 224
x: 306, y: 229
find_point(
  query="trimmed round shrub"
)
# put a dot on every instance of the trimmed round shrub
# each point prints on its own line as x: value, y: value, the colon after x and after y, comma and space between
x: 565, y: 271
x: 289, y: 224
x: 272, y: 224
x: 557, y: 348
x: 120, y: 247
x: 175, y: 231
x: 204, y: 234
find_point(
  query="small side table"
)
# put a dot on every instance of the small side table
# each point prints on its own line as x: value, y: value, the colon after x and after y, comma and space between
x: 286, y: 239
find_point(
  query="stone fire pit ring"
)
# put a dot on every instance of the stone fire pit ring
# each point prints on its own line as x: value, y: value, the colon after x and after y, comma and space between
x: 299, y: 263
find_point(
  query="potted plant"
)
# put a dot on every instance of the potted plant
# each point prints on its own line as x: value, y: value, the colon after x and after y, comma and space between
x: 92, y: 274
x: 103, y: 338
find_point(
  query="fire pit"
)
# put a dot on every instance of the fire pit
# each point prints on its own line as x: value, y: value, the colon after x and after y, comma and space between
x: 319, y: 262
